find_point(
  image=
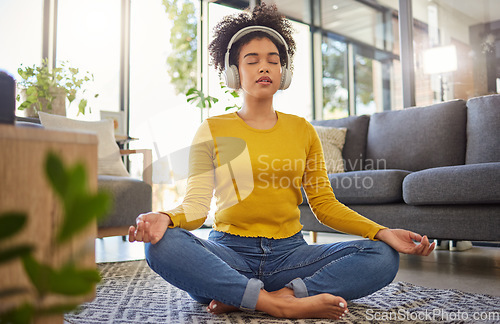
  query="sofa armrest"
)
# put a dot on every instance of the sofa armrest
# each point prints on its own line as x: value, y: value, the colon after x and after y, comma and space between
x: 147, y: 169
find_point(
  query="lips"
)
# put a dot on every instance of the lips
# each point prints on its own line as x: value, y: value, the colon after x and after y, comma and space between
x: 264, y: 80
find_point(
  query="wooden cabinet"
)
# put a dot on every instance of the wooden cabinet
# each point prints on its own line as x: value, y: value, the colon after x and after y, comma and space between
x: 24, y: 188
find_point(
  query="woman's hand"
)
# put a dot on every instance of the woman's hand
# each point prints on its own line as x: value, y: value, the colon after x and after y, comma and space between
x: 150, y: 228
x: 403, y: 241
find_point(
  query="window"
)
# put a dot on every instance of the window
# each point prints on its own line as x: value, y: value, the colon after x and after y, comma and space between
x: 297, y: 99
x: 375, y: 80
x: 160, y: 117
x: 158, y: 113
x: 20, y: 38
x: 369, y: 25
x: 457, y: 49
x: 211, y: 80
x: 88, y: 36
x: 360, y: 59
x: 366, y: 84
x: 335, y: 79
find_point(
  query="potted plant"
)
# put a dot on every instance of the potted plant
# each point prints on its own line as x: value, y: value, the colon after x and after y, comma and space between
x: 47, y: 89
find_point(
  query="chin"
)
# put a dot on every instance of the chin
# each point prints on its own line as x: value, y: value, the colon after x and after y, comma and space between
x: 260, y: 92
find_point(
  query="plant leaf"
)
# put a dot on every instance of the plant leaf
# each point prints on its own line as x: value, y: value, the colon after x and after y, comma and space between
x: 54, y: 169
x: 31, y: 90
x: 11, y: 223
x: 81, y: 106
x: 71, y: 96
x: 21, y: 315
x: 191, y: 91
x: 71, y: 281
x: 78, y: 176
x: 15, y: 252
x: 231, y: 107
x: 81, y: 212
x: 24, y: 105
x: 80, y: 205
x: 38, y: 273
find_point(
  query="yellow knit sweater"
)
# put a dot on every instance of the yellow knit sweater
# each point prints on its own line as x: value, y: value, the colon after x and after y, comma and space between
x: 257, y: 176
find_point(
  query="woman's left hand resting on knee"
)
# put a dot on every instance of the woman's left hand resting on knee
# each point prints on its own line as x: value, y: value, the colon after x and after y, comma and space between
x: 403, y: 241
x: 150, y: 228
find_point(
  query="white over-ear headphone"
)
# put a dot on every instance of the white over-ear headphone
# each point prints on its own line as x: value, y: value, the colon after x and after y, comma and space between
x: 231, y: 74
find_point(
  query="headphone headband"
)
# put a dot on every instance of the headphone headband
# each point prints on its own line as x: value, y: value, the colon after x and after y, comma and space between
x: 245, y: 31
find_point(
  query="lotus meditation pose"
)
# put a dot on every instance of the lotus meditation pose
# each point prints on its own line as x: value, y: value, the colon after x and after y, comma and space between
x: 254, y: 162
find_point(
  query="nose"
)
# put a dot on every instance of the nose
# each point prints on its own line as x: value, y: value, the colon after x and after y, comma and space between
x: 264, y: 69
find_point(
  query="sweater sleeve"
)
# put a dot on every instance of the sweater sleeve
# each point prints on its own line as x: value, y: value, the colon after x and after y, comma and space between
x: 193, y: 211
x: 327, y: 209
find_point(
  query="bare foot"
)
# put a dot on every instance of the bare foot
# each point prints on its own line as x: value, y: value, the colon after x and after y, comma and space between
x: 216, y: 307
x: 283, y: 303
x: 318, y: 306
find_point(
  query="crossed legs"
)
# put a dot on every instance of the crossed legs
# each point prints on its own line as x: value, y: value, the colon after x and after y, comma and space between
x: 216, y: 274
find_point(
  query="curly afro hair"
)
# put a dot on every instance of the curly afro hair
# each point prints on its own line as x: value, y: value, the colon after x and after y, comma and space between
x: 262, y: 15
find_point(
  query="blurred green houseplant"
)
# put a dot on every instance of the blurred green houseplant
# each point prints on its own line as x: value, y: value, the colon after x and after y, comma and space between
x: 80, y: 207
x: 43, y: 85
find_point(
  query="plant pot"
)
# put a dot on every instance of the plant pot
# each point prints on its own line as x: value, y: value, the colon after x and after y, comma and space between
x: 58, y: 104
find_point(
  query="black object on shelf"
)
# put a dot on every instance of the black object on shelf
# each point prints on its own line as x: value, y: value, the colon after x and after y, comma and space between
x: 7, y: 98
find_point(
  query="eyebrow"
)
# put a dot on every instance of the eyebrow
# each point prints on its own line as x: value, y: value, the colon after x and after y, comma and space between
x: 255, y: 54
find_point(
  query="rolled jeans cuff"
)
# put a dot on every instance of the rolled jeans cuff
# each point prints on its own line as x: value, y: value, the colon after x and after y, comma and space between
x: 251, y: 294
x: 299, y: 288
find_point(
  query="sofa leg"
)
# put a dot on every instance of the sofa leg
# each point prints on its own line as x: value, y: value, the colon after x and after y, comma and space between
x: 314, y: 236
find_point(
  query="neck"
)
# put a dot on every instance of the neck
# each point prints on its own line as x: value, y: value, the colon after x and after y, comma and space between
x: 257, y: 109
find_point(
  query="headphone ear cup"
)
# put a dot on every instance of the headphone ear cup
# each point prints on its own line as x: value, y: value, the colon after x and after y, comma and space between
x: 232, y: 77
x: 286, y: 79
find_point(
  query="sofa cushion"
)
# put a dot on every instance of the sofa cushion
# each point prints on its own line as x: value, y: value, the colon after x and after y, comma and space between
x: 417, y: 138
x: 368, y: 187
x: 332, y: 140
x: 461, y: 184
x: 109, y: 161
x: 483, y: 130
x: 131, y: 197
x: 355, y: 142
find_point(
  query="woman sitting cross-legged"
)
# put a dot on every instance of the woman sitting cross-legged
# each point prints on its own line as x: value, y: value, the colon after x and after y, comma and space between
x: 255, y: 162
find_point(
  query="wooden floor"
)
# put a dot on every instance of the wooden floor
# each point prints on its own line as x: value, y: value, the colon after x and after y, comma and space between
x: 476, y: 270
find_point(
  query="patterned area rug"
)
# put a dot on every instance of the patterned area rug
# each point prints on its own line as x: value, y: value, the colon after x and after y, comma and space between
x: 131, y: 292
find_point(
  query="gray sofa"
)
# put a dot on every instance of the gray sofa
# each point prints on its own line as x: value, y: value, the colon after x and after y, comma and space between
x: 434, y: 170
x: 131, y: 197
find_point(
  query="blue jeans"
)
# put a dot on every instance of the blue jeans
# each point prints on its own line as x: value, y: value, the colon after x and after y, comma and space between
x: 233, y: 269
